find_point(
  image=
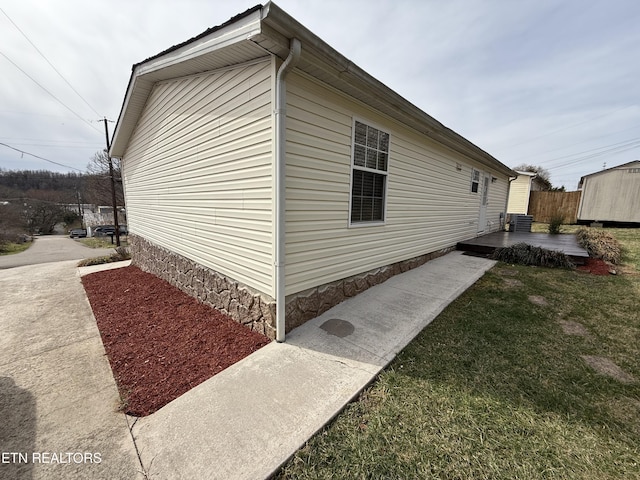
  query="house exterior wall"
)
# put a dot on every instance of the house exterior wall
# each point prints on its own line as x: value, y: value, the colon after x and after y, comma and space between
x: 612, y: 195
x: 430, y: 206
x: 198, y: 172
x: 519, y: 195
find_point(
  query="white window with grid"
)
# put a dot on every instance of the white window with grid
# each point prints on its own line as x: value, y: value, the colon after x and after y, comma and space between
x: 368, y: 174
x: 475, y: 180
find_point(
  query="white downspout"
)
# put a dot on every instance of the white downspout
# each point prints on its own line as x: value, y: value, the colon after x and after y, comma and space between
x: 280, y: 197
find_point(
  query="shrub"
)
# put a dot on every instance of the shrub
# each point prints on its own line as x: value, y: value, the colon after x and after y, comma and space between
x: 555, y: 225
x: 524, y: 254
x: 600, y: 244
x: 122, y: 253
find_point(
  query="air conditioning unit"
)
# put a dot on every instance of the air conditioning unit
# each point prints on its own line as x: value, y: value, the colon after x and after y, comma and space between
x: 520, y: 223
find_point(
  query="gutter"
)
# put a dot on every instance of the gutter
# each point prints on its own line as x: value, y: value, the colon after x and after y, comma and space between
x: 280, y: 197
x: 338, y: 66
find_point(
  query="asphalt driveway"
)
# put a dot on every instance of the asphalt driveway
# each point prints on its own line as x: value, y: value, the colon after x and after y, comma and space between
x: 53, y: 248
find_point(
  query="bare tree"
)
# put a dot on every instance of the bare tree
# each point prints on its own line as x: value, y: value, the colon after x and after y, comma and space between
x: 98, y: 185
x: 12, y: 223
x: 542, y: 173
x: 41, y: 216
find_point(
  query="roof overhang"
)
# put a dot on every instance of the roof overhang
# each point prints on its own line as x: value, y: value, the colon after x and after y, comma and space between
x: 264, y: 31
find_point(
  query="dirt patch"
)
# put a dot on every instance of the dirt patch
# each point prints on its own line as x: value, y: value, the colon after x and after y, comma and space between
x: 160, y: 341
x: 573, y: 328
x: 506, y: 272
x: 596, y: 266
x: 512, y: 282
x: 605, y: 366
x: 538, y: 300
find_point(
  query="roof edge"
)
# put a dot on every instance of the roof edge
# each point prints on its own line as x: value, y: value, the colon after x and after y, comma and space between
x: 208, y: 31
x: 286, y: 25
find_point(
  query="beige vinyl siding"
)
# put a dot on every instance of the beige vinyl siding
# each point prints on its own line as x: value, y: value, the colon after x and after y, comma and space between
x: 498, y: 193
x: 198, y: 171
x: 430, y: 205
x: 519, y: 195
x: 612, y: 195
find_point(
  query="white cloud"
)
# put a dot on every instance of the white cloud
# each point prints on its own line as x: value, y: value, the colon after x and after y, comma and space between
x: 528, y: 81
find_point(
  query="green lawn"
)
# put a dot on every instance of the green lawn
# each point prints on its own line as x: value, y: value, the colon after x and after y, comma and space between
x: 495, y: 389
x: 102, y: 242
x: 11, y: 248
x: 537, y: 227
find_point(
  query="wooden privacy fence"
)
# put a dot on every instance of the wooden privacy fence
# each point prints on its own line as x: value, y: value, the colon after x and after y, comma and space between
x: 545, y: 205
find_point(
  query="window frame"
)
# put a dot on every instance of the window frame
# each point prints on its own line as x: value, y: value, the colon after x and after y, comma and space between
x: 474, y: 181
x: 354, y: 167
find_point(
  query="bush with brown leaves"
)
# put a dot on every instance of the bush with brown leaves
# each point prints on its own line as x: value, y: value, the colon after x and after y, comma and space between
x: 600, y: 244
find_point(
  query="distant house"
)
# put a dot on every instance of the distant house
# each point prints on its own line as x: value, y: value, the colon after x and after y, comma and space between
x: 519, y: 193
x: 611, y: 196
x: 270, y: 177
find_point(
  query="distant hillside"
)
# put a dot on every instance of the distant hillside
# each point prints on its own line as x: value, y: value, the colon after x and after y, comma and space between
x: 58, y: 187
x: 25, y: 180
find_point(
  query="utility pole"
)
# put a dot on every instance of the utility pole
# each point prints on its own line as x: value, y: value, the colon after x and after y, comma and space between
x: 113, y: 186
x: 80, y: 213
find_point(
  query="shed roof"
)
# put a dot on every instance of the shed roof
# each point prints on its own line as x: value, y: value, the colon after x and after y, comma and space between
x: 266, y: 30
x: 635, y: 163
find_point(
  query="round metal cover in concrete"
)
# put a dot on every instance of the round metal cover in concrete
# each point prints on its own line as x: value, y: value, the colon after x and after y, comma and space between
x: 339, y: 328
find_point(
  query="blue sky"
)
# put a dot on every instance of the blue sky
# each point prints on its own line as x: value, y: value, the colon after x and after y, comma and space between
x: 550, y: 83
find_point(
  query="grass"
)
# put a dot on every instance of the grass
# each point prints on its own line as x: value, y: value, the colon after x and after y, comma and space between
x: 13, y: 248
x: 121, y: 253
x: 493, y: 388
x: 537, y: 227
x: 630, y: 240
x: 102, y: 242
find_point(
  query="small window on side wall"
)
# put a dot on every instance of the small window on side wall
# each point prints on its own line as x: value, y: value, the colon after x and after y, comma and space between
x: 368, y: 174
x: 475, y: 180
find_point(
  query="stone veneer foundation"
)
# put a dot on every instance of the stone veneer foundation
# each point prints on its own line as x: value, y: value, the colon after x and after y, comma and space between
x: 242, y: 303
x: 249, y: 307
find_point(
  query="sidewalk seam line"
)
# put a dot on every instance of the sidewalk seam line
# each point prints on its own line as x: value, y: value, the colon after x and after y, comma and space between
x: 135, y: 445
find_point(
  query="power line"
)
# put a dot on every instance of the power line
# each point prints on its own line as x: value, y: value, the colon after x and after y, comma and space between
x: 567, y: 127
x: 596, y: 152
x: 56, y: 98
x: 51, y: 142
x: 41, y: 158
x: 590, y: 140
x: 48, y: 145
x: 50, y: 64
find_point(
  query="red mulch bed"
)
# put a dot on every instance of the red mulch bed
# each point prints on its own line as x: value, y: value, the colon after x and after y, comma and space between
x: 160, y: 341
x: 595, y: 266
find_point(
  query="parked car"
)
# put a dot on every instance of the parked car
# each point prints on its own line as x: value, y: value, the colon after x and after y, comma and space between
x: 104, y: 230
x: 77, y: 233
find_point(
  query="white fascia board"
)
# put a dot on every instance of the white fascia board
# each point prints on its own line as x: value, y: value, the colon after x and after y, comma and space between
x: 141, y: 81
x: 240, y: 30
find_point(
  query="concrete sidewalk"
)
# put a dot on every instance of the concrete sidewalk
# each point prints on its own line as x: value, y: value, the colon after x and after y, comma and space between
x: 245, y: 422
x: 58, y: 399
x: 58, y: 396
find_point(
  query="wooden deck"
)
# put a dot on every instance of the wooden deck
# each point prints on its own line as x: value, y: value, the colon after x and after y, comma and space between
x: 566, y: 243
